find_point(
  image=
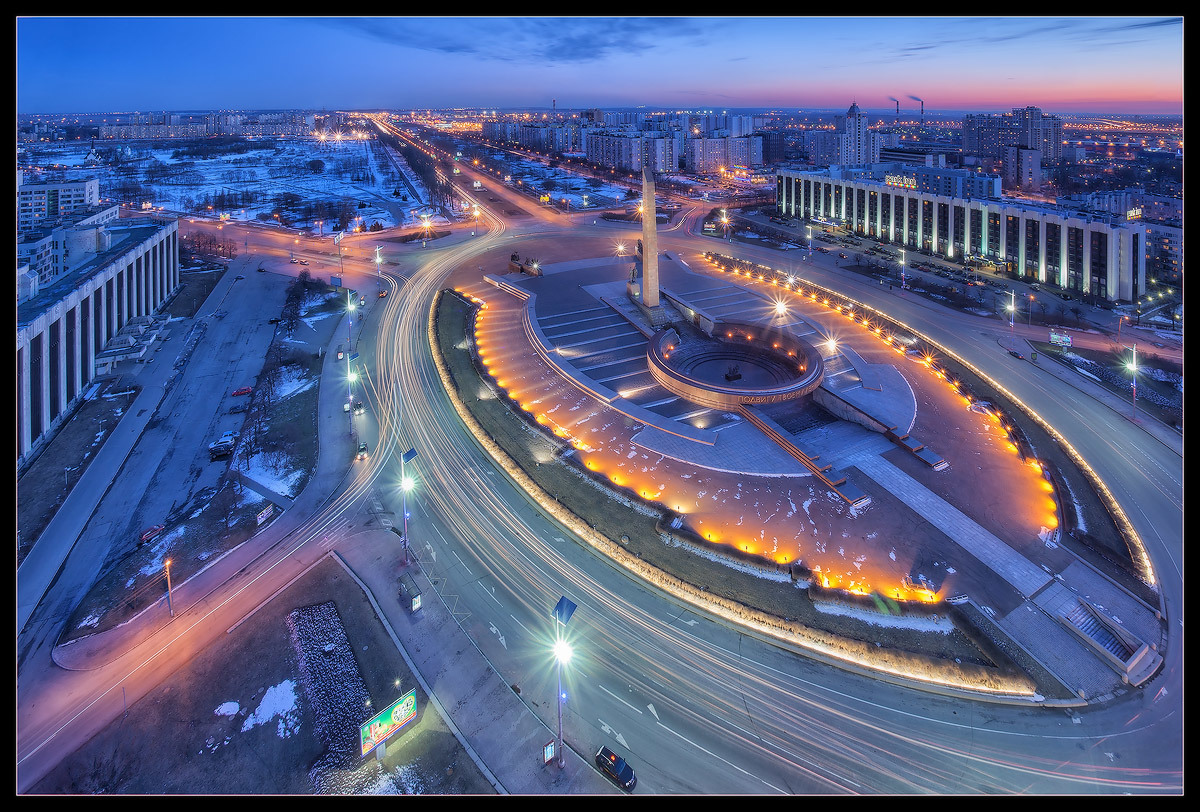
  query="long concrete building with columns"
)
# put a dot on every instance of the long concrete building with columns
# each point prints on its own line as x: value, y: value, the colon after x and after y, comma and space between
x: 958, y: 214
x: 66, y: 324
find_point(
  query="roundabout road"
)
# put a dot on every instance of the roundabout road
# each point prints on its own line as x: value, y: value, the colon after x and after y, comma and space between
x: 696, y: 706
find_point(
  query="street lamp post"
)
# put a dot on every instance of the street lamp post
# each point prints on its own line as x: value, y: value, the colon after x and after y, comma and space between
x: 349, y: 352
x: 406, y: 485
x: 1012, y: 310
x: 562, y: 655
x: 1132, y: 366
x: 167, y: 566
x: 1029, y: 312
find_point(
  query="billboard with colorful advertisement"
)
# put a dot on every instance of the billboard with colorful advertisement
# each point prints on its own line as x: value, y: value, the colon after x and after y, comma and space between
x: 375, y: 731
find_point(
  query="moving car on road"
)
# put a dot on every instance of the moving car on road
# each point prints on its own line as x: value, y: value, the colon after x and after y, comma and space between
x: 149, y: 533
x: 245, y: 390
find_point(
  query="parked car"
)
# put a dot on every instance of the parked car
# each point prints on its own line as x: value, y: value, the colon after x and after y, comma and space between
x: 843, y: 255
x: 304, y: 262
x: 616, y: 769
x: 239, y: 276
x: 294, y: 260
x: 244, y: 390
x: 149, y: 533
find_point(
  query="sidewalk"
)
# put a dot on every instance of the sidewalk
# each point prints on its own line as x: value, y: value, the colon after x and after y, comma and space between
x: 1155, y: 428
x: 485, y: 714
x: 501, y: 733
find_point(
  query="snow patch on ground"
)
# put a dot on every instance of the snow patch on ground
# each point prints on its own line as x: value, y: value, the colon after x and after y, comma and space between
x: 278, y: 701
x: 940, y: 624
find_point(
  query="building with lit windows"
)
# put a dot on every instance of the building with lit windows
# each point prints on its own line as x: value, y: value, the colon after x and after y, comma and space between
x: 942, y: 212
x: 121, y: 271
x: 856, y: 143
x: 1022, y: 168
x: 42, y: 202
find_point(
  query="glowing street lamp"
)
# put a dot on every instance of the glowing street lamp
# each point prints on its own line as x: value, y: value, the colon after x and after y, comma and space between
x: 406, y: 484
x: 1012, y: 309
x: 1120, y: 321
x: 562, y: 655
x: 425, y: 225
x: 167, y: 566
x: 1132, y: 367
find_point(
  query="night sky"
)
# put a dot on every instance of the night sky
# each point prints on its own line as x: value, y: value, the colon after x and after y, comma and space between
x: 1061, y: 64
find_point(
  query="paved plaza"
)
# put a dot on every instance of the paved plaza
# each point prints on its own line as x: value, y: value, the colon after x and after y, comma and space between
x: 935, y: 501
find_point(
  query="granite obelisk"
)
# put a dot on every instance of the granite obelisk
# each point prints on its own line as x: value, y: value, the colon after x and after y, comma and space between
x: 649, y: 234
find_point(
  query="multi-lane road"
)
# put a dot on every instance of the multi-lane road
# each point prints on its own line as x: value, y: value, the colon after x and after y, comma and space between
x: 696, y: 705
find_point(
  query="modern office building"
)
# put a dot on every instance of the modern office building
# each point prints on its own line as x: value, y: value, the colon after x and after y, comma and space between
x: 941, y: 211
x: 122, y: 271
x: 985, y: 136
x: 1161, y: 217
x: 1023, y: 168
x: 42, y: 202
x: 857, y: 144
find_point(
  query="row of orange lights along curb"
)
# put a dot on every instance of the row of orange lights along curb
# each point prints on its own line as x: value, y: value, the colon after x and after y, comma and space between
x: 792, y: 285
x: 622, y: 481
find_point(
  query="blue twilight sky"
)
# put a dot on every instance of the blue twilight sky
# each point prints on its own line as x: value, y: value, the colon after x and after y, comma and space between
x: 1062, y: 64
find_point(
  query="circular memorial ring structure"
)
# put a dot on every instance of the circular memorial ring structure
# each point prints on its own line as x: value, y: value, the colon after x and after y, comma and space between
x: 739, y: 364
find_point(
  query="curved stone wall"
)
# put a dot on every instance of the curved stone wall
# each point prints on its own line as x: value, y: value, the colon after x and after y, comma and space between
x: 786, y: 366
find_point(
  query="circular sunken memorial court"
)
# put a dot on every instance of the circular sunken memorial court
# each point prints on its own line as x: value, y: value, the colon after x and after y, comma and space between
x: 738, y: 364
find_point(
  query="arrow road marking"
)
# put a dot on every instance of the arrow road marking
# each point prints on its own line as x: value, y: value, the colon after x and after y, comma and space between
x: 604, y: 726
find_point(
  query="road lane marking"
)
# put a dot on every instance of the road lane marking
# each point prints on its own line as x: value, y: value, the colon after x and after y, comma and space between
x: 714, y: 755
x: 619, y: 699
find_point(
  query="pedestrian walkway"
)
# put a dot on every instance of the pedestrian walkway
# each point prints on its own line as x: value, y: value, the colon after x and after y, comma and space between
x: 1026, y: 577
x: 469, y: 694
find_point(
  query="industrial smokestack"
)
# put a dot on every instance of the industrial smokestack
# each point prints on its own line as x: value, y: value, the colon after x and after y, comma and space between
x: 897, y: 101
x: 922, y: 101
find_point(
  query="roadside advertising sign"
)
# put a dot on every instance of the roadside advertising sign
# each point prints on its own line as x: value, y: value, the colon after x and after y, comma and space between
x: 380, y: 728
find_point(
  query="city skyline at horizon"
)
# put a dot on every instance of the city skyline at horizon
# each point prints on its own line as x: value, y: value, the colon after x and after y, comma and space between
x: 1129, y: 66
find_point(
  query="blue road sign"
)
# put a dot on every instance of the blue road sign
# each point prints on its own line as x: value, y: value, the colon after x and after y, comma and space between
x: 563, y: 610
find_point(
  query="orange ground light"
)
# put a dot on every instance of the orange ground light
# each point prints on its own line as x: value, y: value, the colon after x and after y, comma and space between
x: 786, y: 519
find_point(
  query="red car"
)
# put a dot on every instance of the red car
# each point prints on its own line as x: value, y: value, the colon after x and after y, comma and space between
x: 151, y: 532
x: 245, y: 390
